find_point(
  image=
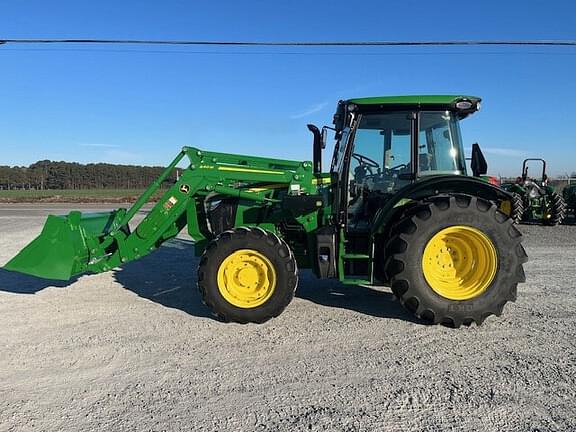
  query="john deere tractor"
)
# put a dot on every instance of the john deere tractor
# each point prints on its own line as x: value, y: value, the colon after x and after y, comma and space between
x: 396, y: 208
x: 534, y: 200
x: 569, y: 195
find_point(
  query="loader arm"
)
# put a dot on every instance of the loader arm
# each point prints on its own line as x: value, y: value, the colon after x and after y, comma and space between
x: 78, y: 243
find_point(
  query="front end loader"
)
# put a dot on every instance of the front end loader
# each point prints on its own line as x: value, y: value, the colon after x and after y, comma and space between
x: 396, y: 208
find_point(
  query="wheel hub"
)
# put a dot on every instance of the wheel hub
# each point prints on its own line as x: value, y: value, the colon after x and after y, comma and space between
x: 246, y: 278
x: 459, y: 262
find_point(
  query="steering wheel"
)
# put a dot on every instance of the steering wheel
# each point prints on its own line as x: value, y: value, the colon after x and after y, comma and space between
x: 366, y: 161
x: 388, y: 172
x: 397, y: 167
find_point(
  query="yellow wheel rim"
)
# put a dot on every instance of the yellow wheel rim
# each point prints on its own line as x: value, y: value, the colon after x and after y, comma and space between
x: 246, y: 278
x: 459, y: 262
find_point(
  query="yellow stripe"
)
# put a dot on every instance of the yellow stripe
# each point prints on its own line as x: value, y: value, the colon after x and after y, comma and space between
x: 268, y: 187
x: 256, y: 190
x: 250, y: 170
x: 323, y: 180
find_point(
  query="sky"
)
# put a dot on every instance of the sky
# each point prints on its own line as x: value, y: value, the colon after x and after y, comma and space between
x: 140, y: 105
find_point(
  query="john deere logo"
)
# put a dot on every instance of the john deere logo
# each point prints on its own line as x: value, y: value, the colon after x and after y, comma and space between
x: 184, y: 188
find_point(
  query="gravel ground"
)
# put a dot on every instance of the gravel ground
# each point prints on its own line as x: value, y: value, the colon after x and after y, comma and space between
x: 135, y: 349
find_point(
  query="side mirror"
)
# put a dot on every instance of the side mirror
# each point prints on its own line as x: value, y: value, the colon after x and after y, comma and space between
x: 478, y: 163
x: 339, y: 117
x: 324, y: 137
x: 317, y: 148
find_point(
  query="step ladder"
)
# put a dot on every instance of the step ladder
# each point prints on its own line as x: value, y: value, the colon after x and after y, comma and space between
x: 355, y: 257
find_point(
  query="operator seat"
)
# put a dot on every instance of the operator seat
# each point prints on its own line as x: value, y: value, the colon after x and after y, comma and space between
x: 424, y: 162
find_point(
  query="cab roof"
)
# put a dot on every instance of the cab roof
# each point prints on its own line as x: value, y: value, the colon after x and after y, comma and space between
x: 414, y: 100
x: 462, y: 105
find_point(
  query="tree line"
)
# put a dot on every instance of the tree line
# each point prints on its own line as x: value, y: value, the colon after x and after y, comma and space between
x: 71, y: 175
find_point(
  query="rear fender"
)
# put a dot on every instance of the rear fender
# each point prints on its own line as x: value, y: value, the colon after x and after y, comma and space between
x: 431, y: 186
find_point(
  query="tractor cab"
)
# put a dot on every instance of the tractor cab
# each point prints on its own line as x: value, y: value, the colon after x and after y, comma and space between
x: 385, y: 144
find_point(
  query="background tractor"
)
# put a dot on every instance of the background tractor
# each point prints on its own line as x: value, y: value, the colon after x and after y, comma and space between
x: 534, y: 200
x: 569, y: 195
x: 396, y: 207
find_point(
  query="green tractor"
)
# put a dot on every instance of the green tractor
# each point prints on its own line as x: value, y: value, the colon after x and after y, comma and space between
x: 396, y: 208
x: 569, y: 195
x: 534, y: 200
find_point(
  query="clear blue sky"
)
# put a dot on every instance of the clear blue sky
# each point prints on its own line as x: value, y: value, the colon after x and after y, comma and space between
x: 140, y: 105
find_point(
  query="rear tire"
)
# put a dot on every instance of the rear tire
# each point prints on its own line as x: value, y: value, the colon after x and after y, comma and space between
x: 513, y: 208
x: 482, y: 227
x: 247, y: 275
x: 517, y: 208
x: 557, y: 209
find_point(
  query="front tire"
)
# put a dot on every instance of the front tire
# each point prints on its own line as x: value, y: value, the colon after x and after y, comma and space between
x: 247, y: 275
x: 455, y: 260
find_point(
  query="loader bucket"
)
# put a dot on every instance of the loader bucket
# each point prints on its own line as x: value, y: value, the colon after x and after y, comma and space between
x: 61, y: 251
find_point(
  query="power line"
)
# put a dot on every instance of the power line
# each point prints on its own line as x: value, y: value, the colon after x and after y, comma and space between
x: 295, y: 44
x: 288, y: 53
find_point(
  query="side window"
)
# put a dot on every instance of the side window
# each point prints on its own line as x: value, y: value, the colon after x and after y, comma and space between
x: 440, y: 145
x: 426, y: 150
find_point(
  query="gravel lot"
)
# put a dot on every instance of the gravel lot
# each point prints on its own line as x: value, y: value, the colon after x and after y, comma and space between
x: 135, y: 349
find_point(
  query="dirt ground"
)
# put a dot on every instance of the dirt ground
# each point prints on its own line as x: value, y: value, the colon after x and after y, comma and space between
x: 135, y: 350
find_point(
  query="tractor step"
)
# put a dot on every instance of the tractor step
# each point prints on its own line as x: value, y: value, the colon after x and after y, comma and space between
x: 356, y: 282
x: 356, y: 256
x: 361, y: 260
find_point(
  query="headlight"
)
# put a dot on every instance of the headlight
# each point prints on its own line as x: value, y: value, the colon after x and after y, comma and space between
x: 464, y: 104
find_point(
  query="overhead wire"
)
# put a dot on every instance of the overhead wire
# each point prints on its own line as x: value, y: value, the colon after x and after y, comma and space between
x: 504, y: 42
x: 287, y: 53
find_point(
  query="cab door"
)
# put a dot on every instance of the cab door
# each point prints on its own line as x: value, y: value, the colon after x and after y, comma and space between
x: 379, y: 162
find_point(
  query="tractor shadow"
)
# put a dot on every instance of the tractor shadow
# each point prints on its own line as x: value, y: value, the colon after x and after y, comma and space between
x: 19, y: 283
x: 168, y: 277
x: 365, y: 300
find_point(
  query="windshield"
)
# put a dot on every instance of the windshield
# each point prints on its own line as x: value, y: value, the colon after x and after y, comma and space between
x: 440, y: 148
